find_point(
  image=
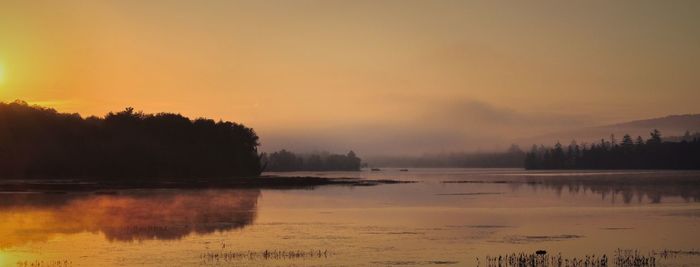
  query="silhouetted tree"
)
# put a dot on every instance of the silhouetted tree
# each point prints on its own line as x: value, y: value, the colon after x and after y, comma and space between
x: 627, y: 141
x: 652, y: 154
x: 687, y: 137
x: 655, y: 137
x: 284, y: 160
x: 38, y: 142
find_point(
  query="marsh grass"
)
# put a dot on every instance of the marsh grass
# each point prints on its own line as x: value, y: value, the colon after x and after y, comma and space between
x: 43, y: 263
x: 228, y: 256
x: 621, y: 258
x: 667, y: 253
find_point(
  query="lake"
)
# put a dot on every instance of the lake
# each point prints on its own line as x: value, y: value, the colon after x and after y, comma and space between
x: 452, y: 217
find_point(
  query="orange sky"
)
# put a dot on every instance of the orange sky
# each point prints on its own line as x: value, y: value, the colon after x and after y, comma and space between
x: 358, y: 74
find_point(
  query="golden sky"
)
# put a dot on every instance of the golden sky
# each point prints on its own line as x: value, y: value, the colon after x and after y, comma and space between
x: 354, y: 73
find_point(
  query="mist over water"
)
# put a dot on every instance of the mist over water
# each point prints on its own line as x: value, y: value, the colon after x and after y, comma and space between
x: 450, y: 216
x: 146, y: 133
x: 467, y: 125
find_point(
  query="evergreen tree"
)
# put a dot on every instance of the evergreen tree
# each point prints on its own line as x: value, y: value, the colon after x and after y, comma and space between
x: 655, y: 137
x: 653, y: 154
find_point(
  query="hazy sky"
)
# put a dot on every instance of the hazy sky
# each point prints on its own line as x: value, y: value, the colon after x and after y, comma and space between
x: 380, y: 77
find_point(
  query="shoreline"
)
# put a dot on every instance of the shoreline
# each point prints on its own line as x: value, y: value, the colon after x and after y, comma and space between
x: 263, y: 182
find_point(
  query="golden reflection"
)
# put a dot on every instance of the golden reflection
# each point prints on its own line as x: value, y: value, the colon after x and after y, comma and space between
x: 124, y: 217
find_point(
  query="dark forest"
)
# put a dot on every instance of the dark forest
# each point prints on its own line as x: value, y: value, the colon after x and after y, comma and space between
x: 38, y: 142
x: 629, y: 153
x: 284, y: 160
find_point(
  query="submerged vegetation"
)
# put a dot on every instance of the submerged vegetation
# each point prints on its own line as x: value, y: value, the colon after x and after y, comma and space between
x: 37, y: 142
x: 284, y: 160
x: 652, y: 153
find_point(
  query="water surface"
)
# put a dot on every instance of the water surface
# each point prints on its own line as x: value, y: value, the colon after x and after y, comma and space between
x: 449, y: 217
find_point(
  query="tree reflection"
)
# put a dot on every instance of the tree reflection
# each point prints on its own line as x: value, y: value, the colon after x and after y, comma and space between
x: 130, y: 216
x: 631, y: 188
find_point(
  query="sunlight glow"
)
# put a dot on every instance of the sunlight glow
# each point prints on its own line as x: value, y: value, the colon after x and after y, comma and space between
x: 2, y: 74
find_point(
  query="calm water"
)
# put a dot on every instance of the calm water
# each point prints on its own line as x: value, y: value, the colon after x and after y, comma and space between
x: 449, y: 217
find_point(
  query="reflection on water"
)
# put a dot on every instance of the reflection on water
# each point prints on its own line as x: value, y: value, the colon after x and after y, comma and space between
x: 629, y: 187
x: 126, y: 216
x: 639, y: 187
x: 450, y: 217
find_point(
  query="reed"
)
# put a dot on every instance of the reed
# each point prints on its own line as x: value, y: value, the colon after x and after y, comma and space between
x: 226, y: 256
x: 621, y: 258
x: 43, y: 263
x: 670, y: 253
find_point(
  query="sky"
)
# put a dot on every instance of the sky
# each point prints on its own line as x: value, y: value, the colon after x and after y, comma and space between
x: 378, y: 77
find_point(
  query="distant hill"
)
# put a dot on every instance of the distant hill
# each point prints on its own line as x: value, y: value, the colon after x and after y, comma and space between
x: 670, y: 126
x: 675, y: 124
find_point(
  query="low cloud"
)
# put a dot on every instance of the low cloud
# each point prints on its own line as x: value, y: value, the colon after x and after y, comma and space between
x: 462, y: 125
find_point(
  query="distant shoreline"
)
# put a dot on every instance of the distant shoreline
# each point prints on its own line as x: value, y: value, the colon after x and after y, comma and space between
x: 262, y: 182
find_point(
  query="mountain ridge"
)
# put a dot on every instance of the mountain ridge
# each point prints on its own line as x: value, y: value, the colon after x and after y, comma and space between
x: 669, y: 125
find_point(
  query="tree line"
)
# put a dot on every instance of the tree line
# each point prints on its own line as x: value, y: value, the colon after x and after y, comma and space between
x: 284, y: 160
x: 629, y: 153
x: 37, y: 142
